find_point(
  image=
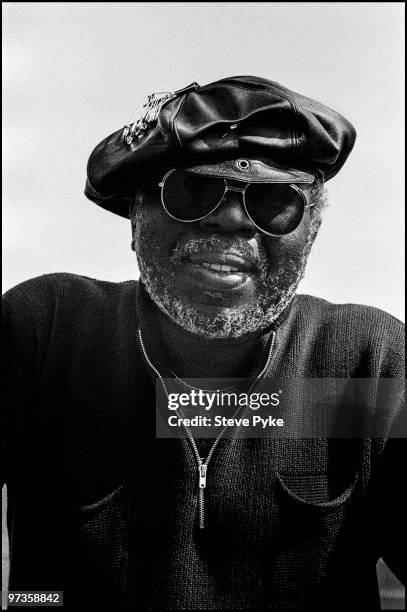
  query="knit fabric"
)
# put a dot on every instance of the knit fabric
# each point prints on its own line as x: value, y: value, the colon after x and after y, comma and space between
x: 103, y: 510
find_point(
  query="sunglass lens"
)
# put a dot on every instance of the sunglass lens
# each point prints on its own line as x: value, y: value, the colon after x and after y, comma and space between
x: 188, y: 196
x: 275, y: 208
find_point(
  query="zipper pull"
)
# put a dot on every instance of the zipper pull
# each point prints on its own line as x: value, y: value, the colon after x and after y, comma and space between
x: 202, y: 475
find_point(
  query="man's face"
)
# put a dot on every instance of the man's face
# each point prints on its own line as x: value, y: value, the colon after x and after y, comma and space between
x: 220, y: 276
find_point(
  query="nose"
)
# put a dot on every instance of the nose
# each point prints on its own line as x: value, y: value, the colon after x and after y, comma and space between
x: 229, y: 217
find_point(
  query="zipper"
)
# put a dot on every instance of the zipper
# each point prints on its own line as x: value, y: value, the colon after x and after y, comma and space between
x: 203, y: 463
x: 201, y: 493
x: 202, y: 473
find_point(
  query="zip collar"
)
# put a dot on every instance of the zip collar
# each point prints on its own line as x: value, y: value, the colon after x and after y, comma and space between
x: 202, y: 462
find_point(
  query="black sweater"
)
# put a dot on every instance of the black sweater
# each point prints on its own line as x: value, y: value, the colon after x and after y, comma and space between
x: 101, y: 509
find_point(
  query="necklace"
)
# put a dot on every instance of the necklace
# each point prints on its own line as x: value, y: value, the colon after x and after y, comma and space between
x: 183, y: 382
x: 152, y: 366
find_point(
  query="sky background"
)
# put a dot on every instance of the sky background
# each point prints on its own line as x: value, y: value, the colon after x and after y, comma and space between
x: 75, y: 72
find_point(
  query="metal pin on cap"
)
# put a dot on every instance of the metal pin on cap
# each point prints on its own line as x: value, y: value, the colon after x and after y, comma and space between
x: 243, y: 164
x: 192, y: 87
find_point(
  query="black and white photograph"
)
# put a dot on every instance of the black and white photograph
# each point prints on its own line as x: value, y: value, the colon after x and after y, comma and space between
x: 203, y: 306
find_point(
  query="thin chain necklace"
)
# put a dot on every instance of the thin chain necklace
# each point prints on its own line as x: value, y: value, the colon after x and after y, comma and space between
x: 202, y: 462
x: 152, y: 366
x: 183, y: 382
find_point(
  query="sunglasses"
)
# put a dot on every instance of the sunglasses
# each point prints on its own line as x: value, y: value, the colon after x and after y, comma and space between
x: 275, y: 209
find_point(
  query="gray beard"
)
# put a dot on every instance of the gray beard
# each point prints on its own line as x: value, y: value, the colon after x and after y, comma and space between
x: 277, y: 287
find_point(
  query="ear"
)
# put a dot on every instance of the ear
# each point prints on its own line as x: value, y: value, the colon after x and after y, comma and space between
x: 133, y: 235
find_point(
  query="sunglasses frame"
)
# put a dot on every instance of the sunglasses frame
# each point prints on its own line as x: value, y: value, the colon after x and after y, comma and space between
x: 237, y: 190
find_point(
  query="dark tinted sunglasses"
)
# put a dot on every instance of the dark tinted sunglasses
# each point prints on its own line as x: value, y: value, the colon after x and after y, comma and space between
x: 276, y: 209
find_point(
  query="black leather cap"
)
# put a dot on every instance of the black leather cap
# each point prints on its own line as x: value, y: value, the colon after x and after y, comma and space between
x: 238, y: 117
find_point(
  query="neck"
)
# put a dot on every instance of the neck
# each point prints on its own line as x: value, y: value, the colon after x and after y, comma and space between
x: 189, y: 355
x: 193, y: 356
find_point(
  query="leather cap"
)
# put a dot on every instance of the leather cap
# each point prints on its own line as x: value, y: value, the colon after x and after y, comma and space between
x: 243, y: 117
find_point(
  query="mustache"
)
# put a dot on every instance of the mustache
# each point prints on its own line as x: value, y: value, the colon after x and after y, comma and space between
x: 236, y: 245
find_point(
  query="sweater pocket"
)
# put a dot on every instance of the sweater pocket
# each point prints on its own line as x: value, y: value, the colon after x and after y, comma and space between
x: 306, y: 508
x: 312, y: 491
x: 312, y: 527
x: 103, y: 541
x: 100, y: 504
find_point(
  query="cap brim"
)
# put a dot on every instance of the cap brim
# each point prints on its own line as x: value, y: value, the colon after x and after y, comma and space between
x: 253, y: 170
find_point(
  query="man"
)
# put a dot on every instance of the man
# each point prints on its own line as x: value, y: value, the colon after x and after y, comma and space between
x: 224, y: 186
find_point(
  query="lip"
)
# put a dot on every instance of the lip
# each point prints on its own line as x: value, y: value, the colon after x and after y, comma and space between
x: 219, y: 258
x: 207, y: 279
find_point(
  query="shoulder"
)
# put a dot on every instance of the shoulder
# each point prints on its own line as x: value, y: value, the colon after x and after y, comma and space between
x: 347, y: 314
x: 354, y: 329
x: 51, y: 287
x: 42, y: 297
